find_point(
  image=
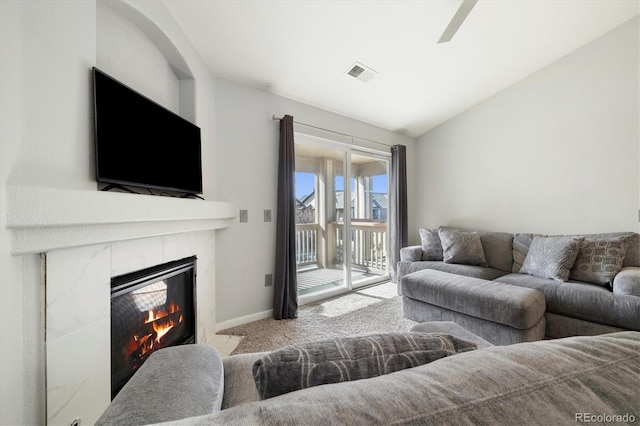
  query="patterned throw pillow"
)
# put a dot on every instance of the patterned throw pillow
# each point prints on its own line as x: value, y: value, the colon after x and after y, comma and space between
x: 462, y: 247
x: 431, y: 245
x: 551, y: 257
x: 349, y: 358
x: 599, y: 260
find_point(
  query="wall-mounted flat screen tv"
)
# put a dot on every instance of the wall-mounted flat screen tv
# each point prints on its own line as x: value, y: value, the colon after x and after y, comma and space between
x: 142, y: 144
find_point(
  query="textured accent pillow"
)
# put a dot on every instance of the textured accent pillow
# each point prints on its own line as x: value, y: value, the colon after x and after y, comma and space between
x: 599, y: 260
x: 462, y: 247
x: 551, y: 257
x: 431, y: 245
x: 345, y: 359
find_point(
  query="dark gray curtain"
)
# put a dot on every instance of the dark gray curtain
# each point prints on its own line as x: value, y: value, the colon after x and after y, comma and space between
x: 398, y: 222
x: 285, y: 290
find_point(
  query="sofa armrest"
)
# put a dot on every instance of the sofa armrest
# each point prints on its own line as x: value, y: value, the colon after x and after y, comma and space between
x: 627, y: 281
x: 411, y: 254
x: 186, y: 381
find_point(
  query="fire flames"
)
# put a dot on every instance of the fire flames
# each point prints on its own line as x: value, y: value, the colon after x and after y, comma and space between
x: 162, y: 328
x: 161, y: 322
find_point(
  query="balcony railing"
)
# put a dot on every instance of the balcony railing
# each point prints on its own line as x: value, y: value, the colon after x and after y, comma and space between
x: 368, y: 245
x: 306, y: 244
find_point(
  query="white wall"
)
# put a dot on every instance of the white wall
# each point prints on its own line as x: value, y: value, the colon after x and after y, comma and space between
x: 126, y: 53
x: 11, y: 290
x: 57, y: 53
x: 247, y: 149
x: 557, y: 152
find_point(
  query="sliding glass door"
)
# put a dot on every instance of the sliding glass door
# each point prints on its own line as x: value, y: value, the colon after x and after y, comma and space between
x: 341, y: 224
x: 369, y: 197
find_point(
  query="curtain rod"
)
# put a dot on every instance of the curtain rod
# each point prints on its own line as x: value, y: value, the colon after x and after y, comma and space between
x: 276, y: 118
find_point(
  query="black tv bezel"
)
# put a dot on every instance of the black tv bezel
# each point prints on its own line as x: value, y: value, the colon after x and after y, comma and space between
x: 144, y: 185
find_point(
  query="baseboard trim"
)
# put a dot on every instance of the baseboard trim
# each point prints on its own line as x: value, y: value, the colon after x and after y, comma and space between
x: 243, y: 320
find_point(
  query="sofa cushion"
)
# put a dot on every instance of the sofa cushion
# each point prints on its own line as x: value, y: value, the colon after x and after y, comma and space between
x: 551, y: 257
x: 474, y: 271
x: 498, y: 247
x: 589, y: 302
x: 345, y: 359
x: 518, y: 307
x: 431, y: 245
x: 599, y: 260
x: 553, y: 379
x: 462, y: 247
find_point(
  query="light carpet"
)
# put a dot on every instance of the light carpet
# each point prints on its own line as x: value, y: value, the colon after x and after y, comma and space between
x: 376, y: 309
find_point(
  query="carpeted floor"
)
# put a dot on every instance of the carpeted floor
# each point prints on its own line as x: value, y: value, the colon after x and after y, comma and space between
x: 375, y: 309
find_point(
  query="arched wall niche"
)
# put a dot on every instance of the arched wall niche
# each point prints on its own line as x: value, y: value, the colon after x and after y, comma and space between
x: 183, y: 102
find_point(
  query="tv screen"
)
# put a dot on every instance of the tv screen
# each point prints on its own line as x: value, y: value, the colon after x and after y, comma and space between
x: 141, y: 143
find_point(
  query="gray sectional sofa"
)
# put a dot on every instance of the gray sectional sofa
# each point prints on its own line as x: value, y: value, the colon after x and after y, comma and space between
x: 586, y: 379
x: 596, y: 290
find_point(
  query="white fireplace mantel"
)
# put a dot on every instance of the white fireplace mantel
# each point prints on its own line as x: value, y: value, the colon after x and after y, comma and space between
x: 43, y: 219
x: 89, y: 237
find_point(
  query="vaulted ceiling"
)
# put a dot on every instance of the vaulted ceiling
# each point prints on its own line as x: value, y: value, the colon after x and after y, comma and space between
x: 302, y: 50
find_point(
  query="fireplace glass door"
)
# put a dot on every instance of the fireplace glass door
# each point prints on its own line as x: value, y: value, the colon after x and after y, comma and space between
x: 150, y: 309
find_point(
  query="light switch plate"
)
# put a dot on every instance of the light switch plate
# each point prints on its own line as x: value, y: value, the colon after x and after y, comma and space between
x: 267, y: 215
x: 244, y: 216
x: 268, y: 280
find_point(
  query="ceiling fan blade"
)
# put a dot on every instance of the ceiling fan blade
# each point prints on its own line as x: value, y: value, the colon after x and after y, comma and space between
x: 458, y: 19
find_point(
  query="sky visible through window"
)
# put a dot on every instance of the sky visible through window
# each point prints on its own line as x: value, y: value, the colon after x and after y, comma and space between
x: 305, y: 184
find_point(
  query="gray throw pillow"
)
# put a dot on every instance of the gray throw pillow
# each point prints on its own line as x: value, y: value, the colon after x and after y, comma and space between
x: 551, y: 257
x: 599, y: 260
x: 431, y: 245
x: 462, y: 247
x: 349, y: 358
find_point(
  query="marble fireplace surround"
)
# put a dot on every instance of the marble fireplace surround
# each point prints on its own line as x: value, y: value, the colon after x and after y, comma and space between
x: 85, y: 238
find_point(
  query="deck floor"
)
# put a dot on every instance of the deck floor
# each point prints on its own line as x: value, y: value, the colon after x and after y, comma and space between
x: 317, y: 279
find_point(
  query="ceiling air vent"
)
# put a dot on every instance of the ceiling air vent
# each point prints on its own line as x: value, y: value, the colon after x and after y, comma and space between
x: 361, y: 72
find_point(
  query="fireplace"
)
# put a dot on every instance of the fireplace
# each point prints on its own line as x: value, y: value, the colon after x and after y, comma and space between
x: 150, y: 309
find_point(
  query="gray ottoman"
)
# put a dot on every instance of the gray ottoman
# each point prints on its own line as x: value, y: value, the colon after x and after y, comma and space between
x: 500, y: 313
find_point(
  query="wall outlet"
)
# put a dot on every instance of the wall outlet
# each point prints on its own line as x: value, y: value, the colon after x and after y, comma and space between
x: 267, y: 215
x: 268, y: 280
x: 244, y: 216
